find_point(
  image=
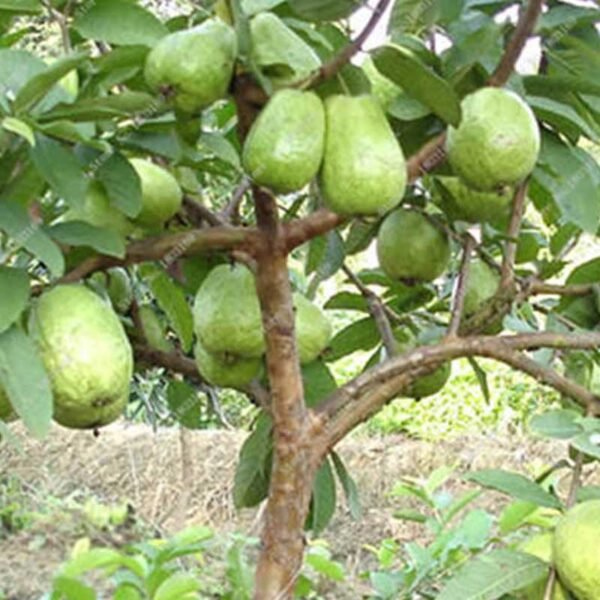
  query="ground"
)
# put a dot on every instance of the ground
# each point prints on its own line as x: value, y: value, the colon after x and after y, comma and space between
x: 131, y: 464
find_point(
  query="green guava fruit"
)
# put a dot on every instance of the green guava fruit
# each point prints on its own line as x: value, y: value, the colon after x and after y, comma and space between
x: 7, y: 413
x: 427, y: 385
x: 410, y: 247
x: 226, y: 370
x: 197, y: 64
x: 576, y: 550
x: 383, y: 89
x: 497, y: 142
x: 98, y: 211
x: 161, y: 194
x: 284, y: 148
x: 153, y: 329
x: 282, y: 55
x: 364, y: 171
x: 482, y: 284
x: 313, y: 329
x: 86, y: 353
x: 227, y: 317
x: 462, y: 203
x: 540, y: 546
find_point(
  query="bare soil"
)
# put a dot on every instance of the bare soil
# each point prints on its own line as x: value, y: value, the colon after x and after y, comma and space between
x: 144, y: 468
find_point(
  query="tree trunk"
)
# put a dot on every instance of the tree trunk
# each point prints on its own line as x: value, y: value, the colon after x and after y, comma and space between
x: 293, y: 464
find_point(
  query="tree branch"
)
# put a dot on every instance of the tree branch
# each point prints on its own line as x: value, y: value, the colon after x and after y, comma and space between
x: 331, y: 68
x: 378, y: 311
x: 366, y: 394
x: 461, y: 287
x: 507, y: 276
x: 231, y: 211
x: 298, y: 231
x: 201, y: 214
x: 173, y: 361
x: 543, y: 288
x: 431, y: 155
x: 523, y: 29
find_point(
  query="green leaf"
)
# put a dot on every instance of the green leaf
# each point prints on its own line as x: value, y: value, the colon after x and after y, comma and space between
x: 96, y: 558
x: 360, y: 235
x: 172, y: 300
x: 588, y: 443
x: 23, y: 377
x: 347, y: 301
x: 418, y: 81
x: 412, y: 16
x: 325, y: 255
x: 37, y: 87
x: 176, y: 586
x: 68, y: 588
x: 221, y: 147
x: 121, y: 23
x: 326, y: 567
x: 20, y: 128
x: 14, y: 221
x: 80, y: 233
x: 558, y: 424
x: 481, y: 378
x: 493, y: 575
x: 61, y: 169
x: 121, y: 183
x: 323, y: 499
x: 410, y: 514
x: 14, y: 291
x: 588, y: 492
x: 251, y: 484
x: 21, y: 6
x: 515, y: 514
x: 125, y: 104
x: 318, y: 382
x: 348, y: 485
x: 514, y: 485
x: 185, y: 404
x: 324, y: 10
x: 360, y: 335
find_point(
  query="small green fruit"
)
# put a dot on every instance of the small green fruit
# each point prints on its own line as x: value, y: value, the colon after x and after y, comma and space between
x: 383, y: 89
x: 196, y: 63
x: 410, y: 247
x: 153, y: 329
x: 462, y: 203
x: 98, y: 211
x: 541, y: 546
x: 497, y: 142
x: 7, y: 413
x: 86, y: 353
x: 119, y: 289
x: 313, y: 329
x: 284, y: 148
x: 226, y: 370
x: 576, y: 550
x: 161, y: 194
x: 282, y: 55
x: 227, y: 317
x: 364, y: 171
x: 481, y: 286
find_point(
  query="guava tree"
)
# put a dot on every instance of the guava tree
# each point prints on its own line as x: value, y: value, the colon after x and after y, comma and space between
x: 207, y: 172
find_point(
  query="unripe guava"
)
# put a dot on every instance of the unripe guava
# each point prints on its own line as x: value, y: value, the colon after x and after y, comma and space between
x: 226, y: 370
x: 482, y: 284
x: 426, y: 385
x: 98, y: 211
x: 161, y: 194
x: 313, y: 329
x: 466, y: 204
x: 197, y: 64
x: 282, y: 55
x: 576, y: 550
x: 284, y: 148
x: 153, y: 329
x: 383, y: 89
x: 227, y: 317
x: 541, y: 546
x: 119, y: 289
x: 497, y: 142
x: 7, y: 413
x: 364, y: 171
x: 86, y: 353
x: 411, y: 247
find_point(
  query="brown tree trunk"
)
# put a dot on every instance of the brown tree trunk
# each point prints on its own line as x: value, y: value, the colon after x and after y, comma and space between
x: 293, y: 466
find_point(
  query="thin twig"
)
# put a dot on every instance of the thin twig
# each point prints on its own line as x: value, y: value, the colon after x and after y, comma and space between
x: 331, y: 68
x: 510, y: 249
x: 231, y: 212
x: 198, y: 213
x: 378, y: 311
x: 461, y: 287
